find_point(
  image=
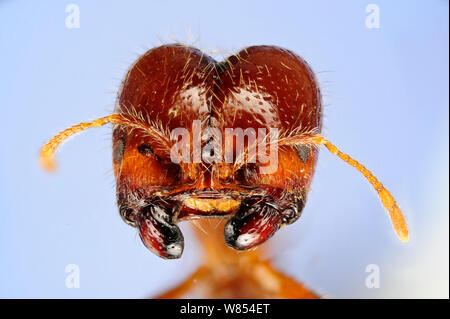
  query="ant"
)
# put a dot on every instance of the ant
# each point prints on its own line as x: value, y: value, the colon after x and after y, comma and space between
x: 187, y: 147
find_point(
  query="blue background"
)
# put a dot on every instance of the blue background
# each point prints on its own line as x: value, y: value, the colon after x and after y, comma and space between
x: 387, y: 100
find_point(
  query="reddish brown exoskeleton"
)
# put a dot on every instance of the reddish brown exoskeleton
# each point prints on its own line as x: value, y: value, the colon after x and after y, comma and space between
x: 237, y: 140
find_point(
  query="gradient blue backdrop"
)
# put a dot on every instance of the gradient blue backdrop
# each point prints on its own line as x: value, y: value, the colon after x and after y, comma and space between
x: 387, y: 100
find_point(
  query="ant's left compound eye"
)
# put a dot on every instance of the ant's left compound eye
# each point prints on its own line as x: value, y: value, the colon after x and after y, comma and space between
x: 118, y: 151
x: 119, y: 143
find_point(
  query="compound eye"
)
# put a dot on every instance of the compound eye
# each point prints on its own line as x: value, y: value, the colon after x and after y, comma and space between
x: 119, y: 143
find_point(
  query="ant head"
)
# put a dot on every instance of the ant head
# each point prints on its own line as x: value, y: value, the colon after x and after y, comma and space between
x: 174, y: 159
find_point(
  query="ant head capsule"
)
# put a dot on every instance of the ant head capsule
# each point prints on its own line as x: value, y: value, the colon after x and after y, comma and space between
x: 196, y: 138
